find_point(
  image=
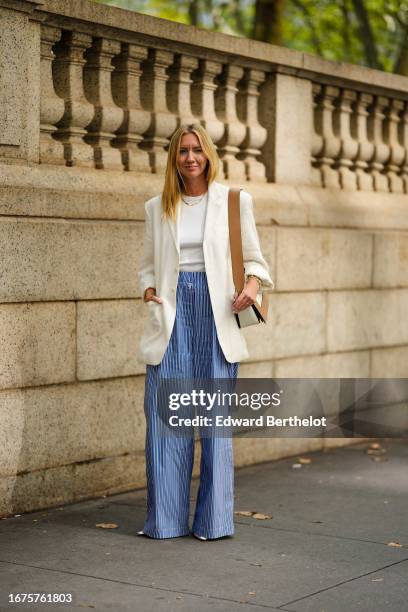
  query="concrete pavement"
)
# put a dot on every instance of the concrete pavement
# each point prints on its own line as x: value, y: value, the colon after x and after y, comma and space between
x: 326, y: 547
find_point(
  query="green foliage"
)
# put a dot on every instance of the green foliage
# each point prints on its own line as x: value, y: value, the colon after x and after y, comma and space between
x: 177, y: 10
x: 328, y: 28
x: 335, y: 26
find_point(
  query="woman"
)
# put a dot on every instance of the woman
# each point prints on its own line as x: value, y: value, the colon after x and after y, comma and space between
x: 185, y: 278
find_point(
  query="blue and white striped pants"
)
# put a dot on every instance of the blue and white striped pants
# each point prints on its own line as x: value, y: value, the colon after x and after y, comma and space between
x: 193, y: 352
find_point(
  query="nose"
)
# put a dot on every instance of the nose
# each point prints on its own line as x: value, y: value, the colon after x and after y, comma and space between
x: 190, y: 155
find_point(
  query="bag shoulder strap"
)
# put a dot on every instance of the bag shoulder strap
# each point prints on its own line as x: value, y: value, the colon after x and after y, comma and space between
x: 234, y: 225
x: 237, y: 258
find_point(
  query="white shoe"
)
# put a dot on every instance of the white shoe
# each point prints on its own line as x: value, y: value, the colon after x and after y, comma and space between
x: 140, y: 532
x: 200, y: 537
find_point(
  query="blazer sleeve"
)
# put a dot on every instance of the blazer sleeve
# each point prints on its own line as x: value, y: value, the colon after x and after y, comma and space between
x: 254, y: 261
x: 146, y: 268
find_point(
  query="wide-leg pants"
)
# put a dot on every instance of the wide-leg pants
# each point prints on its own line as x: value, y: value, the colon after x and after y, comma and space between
x: 193, y: 352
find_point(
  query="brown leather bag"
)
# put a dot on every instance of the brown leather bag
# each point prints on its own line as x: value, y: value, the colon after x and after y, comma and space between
x: 258, y: 311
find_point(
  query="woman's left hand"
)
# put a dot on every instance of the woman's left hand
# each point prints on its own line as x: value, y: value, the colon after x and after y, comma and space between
x: 246, y: 297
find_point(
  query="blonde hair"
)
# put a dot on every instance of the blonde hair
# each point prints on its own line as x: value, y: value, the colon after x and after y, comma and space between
x: 173, y: 182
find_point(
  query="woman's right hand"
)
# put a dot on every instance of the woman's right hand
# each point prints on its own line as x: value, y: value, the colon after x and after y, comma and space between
x: 150, y: 296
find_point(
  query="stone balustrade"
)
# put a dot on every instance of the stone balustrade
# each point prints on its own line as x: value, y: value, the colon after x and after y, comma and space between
x: 110, y: 99
x: 359, y: 140
x: 122, y: 101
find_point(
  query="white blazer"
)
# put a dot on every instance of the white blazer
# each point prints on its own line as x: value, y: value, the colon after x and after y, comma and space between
x: 159, y: 268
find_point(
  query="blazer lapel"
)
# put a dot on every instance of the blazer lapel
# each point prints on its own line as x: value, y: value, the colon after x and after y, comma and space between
x: 215, y: 199
x: 174, y: 228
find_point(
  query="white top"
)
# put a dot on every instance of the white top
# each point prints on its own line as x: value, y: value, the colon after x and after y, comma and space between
x: 192, y: 223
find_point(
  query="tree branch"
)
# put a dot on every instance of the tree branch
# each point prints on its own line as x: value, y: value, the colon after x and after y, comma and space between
x: 367, y: 36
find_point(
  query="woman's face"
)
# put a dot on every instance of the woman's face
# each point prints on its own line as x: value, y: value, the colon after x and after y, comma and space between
x: 191, y: 159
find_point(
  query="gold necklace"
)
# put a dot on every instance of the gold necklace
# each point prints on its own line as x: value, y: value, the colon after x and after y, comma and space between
x: 194, y: 203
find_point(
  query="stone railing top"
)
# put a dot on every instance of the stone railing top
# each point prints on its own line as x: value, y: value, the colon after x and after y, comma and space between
x: 25, y: 6
x: 93, y: 17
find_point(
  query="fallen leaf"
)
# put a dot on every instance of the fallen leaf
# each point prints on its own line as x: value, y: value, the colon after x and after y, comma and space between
x: 304, y: 460
x: 261, y: 517
x: 256, y: 515
x: 396, y: 544
x: 107, y: 525
x: 251, y: 593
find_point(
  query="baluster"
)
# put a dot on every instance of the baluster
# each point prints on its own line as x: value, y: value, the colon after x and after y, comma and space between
x: 403, y: 129
x: 365, y: 152
x: 179, y: 88
x: 153, y: 95
x: 325, y: 159
x: 234, y: 130
x: 247, y: 106
x: 126, y: 94
x: 381, y: 149
x: 107, y: 116
x: 68, y: 83
x: 52, y: 106
x: 316, y: 177
x: 348, y: 145
x: 203, y: 98
x: 397, y: 152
